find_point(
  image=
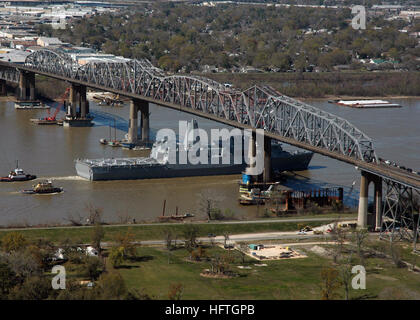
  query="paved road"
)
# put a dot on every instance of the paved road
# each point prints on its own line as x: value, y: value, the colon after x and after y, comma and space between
x: 241, y: 237
x: 198, y: 222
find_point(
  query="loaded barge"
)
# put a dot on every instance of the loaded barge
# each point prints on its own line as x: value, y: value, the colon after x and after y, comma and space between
x: 158, y: 165
x: 366, y: 103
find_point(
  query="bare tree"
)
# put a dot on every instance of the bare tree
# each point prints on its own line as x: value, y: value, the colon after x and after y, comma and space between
x: 208, y: 201
x: 168, y: 234
x: 359, y: 237
x: 339, y: 236
x: 94, y: 214
x: 330, y: 283
x: 74, y: 221
x: 243, y: 248
x: 123, y: 217
x: 345, y: 274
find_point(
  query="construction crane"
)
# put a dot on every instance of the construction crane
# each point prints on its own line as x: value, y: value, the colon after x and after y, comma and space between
x: 62, y: 101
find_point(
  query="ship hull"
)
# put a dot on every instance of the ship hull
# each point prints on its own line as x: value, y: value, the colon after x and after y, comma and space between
x: 295, y: 162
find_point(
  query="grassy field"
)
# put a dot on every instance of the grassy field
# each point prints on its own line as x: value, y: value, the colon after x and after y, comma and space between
x: 156, y: 231
x: 284, y: 279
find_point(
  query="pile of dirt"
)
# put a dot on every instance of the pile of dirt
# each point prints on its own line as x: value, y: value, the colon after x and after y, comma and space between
x: 319, y: 251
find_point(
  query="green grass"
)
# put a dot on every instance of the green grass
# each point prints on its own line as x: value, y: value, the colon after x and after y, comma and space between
x: 291, y: 279
x: 154, y: 231
x: 284, y: 279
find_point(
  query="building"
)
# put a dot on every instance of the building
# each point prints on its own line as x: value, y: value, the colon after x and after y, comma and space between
x: 47, y: 42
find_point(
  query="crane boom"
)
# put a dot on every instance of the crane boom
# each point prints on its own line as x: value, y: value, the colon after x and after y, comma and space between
x: 62, y: 100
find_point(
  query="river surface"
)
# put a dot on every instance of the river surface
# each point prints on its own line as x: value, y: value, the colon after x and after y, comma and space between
x: 49, y: 152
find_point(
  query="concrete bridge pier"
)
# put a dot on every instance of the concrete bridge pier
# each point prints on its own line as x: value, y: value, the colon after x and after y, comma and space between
x: 378, y: 203
x: 22, y: 87
x: 363, y: 201
x: 72, y: 105
x: 83, y: 102
x: 135, y: 107
x: 27, y: 81
x: 252, y: 151
x: 3, y: 88
x: 31, y: 85
x: 362, y: 220
x: 77, y: 108
x: 133, y: 122
x: 268, y: 172
x: 145, y: 119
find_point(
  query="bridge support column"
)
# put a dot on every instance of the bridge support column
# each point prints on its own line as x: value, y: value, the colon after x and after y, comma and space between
x: 27, y: 81
x: 31, y: 84
x: 267, y: 174
x: 252, y: 151
x: 83, y: 102
x: 144, y: 109
x: 133, y: 125
x: 3, y: 88
x: 363, y: 201
x: 378, y: 203
x: 72, y: 107
x: 22, y: 86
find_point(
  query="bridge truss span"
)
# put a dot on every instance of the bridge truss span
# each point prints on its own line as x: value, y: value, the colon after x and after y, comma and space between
x: 259, y: 107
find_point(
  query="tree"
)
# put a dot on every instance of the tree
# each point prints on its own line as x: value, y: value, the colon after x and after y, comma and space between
x: 359, y: 237
x: 207, y: 202
x: 111, y: 286
x: 330, y: 283
x: 23, y: 264
x: 168, y: 233
x: 190, y: 234
x: 93, y: 267
x: 13, y: 241
x: 175, y: 291
x: 98, y: 234
x: 127, y: 242
x: 34, y: 288
x: 94, y: 214
x: 136, y: 294
x: 7, y: 280
x: 116, y: 256
x: 344, y: 268
x: 339, y: 236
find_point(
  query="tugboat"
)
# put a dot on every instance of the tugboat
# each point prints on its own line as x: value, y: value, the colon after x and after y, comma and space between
x: 17, y: 175
x: 44, y: 187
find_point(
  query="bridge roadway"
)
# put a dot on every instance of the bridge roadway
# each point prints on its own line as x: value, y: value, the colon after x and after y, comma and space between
x: 403, y: 177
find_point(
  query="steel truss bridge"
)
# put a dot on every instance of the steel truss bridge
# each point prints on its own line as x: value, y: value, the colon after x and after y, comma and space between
x: 259, y: 107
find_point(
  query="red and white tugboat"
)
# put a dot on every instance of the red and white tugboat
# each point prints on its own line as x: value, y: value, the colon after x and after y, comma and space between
x: 17, y: 175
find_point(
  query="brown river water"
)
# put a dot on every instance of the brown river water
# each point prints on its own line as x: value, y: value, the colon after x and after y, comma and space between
x: 50, y: 151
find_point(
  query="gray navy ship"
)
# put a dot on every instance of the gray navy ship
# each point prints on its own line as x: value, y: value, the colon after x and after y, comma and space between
x: 159, y: 166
